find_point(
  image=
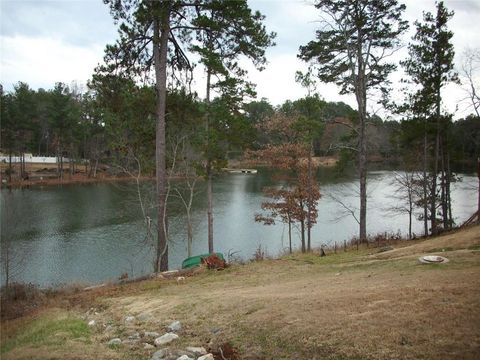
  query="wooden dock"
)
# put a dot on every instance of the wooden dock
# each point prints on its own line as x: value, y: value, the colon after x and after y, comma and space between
x: 240, y: 171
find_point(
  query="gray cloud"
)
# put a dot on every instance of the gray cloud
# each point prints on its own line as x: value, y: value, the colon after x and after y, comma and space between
x: 469, y: 6
x: 79, y: 23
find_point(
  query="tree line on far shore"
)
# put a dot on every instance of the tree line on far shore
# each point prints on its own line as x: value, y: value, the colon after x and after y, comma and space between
x: 101, y: 125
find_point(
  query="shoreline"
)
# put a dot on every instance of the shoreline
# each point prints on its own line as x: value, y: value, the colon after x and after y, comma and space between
x: 70, y: 180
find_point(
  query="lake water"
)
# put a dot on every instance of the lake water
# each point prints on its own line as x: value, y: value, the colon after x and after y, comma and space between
x: 93, y: 233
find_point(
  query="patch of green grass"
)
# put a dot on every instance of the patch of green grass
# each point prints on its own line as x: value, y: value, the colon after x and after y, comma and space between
x: 474, y: 247
x: 48, y: 331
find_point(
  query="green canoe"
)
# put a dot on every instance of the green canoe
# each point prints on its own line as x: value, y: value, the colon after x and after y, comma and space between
x: 197, y: 260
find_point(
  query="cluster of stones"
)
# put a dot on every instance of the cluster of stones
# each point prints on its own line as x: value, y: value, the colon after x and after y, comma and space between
x: 159, y: 341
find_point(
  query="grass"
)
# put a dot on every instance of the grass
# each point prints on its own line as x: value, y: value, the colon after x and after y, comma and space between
x: 49, y: 329
x: 349, y: 305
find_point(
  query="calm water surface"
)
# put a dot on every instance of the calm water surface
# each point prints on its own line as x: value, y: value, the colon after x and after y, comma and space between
x: 92, y: 233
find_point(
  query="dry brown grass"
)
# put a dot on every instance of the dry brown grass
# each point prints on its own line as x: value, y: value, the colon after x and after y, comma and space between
x: 467, y: 238
x: 345, y: 306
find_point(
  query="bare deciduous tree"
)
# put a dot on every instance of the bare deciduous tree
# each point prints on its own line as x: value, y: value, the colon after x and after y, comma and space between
x: 470, y: 77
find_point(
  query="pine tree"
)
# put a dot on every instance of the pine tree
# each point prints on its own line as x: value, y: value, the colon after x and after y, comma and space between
x: 228, y: 30
x: 430, y: 67
x: 157, y: 34
x: 350, y: 51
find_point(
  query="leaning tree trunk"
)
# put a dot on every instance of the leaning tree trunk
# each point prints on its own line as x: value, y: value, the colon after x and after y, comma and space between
x: 160, y: 44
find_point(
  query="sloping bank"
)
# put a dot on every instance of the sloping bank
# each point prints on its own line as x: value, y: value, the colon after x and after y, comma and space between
x: 349, y: 305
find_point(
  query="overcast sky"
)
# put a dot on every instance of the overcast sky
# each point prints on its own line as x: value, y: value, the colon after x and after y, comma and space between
x: 43, y: 42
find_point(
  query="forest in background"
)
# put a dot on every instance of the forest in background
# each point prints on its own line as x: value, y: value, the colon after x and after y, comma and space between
x: 102, y: 125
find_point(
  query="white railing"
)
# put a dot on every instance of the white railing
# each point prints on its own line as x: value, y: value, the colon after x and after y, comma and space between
x: 29, y: 158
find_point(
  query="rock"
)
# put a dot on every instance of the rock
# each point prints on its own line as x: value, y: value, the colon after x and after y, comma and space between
x: 129, y: 341
x: 174, y: 326
x: 160, y: 354
x: 109, y: 328
x: 206, y: 357
x: 153, y: 334
x: 165, y: 339
x: 197, y: 351
x: 184, y: 357
x: 92, y: 323
x: 215, y: 330
x: 179, y: 353
x: 115, y: 341
x: 148, y: 346
x: 130, y: 319
x: 144, y: 317
x: 134, y: 336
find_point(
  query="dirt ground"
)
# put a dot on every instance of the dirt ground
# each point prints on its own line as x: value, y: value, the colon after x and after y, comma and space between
x: 349, y: 305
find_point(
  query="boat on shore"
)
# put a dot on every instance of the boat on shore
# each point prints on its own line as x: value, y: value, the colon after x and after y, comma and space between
x: 197, y: 260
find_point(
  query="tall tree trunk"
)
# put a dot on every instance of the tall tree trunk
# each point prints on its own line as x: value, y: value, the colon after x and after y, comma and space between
x: 361, y: 97
x: 409, y: 181
x: 10, y: 166
x: 362, y: 164
x: 309, y: 206
x: 70, y: 164
x: 58, y: 161
x: 435, y: 165
x: 410, y: 212
x: 209, y: 170
x: 449, y: 198
x: 289, y: 234
x: 478, y: 174
x: 160, y: 44
x: 189, y: 234
x: 363, y: 185
x: 433, y: 190
x: 22, y: 165
x: 424, y: 183
x: 61, y: 164
x: 302, y: 230
x: 444, y: 189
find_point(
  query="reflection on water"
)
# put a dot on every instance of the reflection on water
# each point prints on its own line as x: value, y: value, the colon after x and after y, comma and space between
x: 92, y: 233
